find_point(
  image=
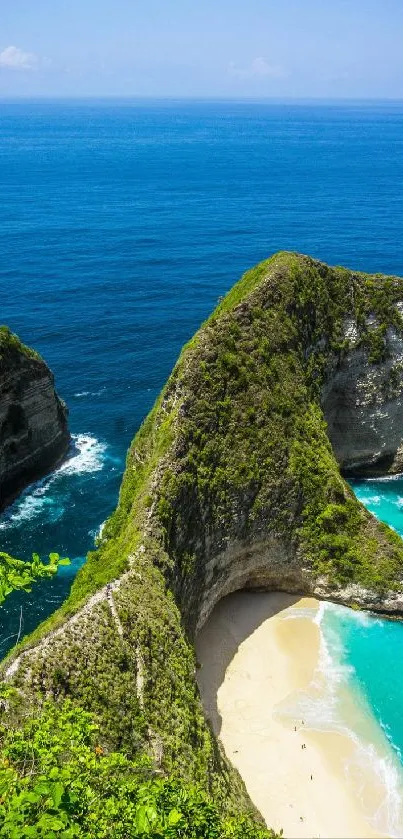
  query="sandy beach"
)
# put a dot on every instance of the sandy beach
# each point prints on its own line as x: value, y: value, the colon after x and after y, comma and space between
x: 252, y: 659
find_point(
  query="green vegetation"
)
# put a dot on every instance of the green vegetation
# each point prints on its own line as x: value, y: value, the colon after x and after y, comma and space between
x: 235, y: 452
x: 253, y: 439
x: 57, y: 782
x: 11, y: 347
x: 17, y: 575
x: 343, y: 542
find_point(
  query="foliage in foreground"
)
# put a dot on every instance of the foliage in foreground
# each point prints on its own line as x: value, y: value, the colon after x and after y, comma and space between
x: 15, y: 574
x: 57, y: 782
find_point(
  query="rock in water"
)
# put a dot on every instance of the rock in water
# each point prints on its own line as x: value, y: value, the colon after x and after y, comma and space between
x: 34, y: 436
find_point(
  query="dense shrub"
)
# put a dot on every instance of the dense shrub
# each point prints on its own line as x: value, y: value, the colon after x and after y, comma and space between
x: 57, y: 782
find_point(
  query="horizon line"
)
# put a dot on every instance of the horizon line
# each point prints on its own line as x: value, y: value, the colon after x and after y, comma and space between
x: 178, y: 98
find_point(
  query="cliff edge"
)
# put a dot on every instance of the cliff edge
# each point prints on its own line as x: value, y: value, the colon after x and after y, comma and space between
x: 34, y: 435
x: 235, y: 480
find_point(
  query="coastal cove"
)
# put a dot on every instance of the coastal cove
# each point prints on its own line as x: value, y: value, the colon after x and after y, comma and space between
x: 333, y: 674
x: 272, y: 700
x: 279, y: 684
x: 317, y: 689
x: 232, y: 490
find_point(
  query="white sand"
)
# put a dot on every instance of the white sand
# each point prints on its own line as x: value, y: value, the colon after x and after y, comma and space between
x: 252, y: 659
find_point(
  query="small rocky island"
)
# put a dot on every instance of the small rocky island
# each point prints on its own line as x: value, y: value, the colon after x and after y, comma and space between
x: 34, y: 435
x: 234, y: 481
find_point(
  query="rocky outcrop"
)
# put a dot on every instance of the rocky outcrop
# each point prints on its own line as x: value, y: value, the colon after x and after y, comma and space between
x: 363, y: 405
x: 34, y: 436
x: 231, y: 483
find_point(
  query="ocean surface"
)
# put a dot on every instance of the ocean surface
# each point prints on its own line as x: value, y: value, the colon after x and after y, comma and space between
x: 122, y: 225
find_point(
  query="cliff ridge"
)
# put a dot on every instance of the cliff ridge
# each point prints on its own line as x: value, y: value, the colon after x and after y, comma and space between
x: 235, y: 480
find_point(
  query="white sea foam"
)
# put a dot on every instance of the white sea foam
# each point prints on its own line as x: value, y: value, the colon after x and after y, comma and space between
x: 384, y: 479
x: 359, y: 617
x: 101, y: 529
x: 32, y: 505
x: 81, y: 394
x: 96, y: 534
x: 86, y: 455
x: 365, y: 498
x: 321, y: 709
x: 373, y: 499
x: 320, y: 612
x: 388, y: 818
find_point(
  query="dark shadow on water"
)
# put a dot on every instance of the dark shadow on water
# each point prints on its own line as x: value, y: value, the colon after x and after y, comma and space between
x: 233, y: 620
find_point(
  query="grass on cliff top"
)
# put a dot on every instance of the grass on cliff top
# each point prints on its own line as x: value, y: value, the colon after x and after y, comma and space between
x: 254, y: 456
x: 11, y: 347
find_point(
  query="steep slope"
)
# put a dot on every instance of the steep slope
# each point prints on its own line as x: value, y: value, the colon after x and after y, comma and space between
x: 33, y: 421
x: 232, y: 483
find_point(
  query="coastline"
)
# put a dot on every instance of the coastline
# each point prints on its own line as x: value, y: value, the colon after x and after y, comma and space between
x: 259, y: 657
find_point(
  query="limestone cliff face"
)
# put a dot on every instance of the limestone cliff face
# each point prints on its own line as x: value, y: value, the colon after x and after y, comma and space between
x: 34, y: 435
x: 232, y: 482
x: 363, y: 406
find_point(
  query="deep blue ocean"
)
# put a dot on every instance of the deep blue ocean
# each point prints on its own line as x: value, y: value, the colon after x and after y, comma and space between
x: 122, y: 225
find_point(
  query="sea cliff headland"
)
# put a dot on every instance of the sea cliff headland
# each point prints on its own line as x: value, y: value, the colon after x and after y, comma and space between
x: 232, y: 483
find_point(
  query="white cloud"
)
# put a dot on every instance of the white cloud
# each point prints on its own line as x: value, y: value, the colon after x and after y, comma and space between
x: 15, y: 59
x: 259, y: 68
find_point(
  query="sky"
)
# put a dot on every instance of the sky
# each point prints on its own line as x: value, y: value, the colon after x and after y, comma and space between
x: 202, y: 48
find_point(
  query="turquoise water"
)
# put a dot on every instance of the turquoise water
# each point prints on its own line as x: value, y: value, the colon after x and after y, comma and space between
x: 384, y: 498
x: 123, y: 223
x: 375, y: 647
x: 363, y: 656
x: 363, y: 666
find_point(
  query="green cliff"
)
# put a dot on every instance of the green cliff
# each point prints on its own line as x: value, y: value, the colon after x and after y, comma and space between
x: 230, y: 483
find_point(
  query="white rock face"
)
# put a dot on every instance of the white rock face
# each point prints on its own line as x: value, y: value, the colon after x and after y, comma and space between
x: 269, y: 564
x: 363, y: 406
x: 351, y: 331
